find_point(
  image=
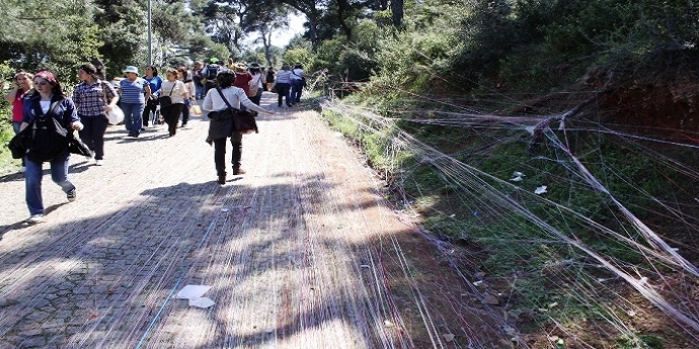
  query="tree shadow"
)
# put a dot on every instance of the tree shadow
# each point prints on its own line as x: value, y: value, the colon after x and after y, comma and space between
x: 140, y: 255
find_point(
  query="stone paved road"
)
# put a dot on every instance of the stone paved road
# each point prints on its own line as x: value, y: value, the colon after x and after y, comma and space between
x: 299, y: 253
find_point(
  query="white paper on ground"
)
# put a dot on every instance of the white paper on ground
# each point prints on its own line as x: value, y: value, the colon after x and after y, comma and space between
x: 192, y: 291
x: 202, y: 302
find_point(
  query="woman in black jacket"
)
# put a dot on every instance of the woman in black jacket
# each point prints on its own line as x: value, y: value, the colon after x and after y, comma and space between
x: 48, y: 99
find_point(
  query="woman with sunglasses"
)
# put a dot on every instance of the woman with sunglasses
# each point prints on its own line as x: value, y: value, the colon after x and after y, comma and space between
x: 23, y: 83
x: 48, y: 99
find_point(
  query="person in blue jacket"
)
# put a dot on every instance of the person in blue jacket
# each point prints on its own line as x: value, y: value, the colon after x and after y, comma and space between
x: 48, y: 96
x: 155, y: 82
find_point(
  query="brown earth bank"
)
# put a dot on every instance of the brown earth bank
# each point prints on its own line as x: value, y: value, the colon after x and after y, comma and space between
x: 300, y: 252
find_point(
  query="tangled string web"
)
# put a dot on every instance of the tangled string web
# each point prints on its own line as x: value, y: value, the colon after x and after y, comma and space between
x: 583, y: 244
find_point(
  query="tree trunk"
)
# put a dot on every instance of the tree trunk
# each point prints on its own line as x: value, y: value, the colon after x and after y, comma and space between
x: 397, y: 12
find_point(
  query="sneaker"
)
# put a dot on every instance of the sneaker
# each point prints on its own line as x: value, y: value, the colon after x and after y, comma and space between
x: 22, y: 169
x: 239, y: 171
x: 35, y: 219
x: 99, y: 162
x: 71, y: 195
x: 222, y: 179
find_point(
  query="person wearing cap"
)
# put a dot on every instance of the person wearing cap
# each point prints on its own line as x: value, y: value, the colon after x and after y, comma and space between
x: 134, y: 91
x: 210, y: 72
x: 23, y: 83
x: 48, y: 99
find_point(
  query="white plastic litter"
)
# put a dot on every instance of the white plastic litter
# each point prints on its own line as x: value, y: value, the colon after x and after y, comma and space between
x: 517, y: 176
x: 540, y: 190
x: 202, y: 302
x: 192, y: 292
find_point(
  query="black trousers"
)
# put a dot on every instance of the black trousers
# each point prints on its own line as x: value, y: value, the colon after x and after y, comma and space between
x: 171, y: 114
x: 283, y: 92
x: 220, y: 153
x: 92, y: 133
x: 151, y: 106
x: 185, y: 114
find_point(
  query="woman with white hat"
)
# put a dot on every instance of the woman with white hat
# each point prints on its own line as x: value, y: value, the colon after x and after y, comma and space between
x: 134, y: 91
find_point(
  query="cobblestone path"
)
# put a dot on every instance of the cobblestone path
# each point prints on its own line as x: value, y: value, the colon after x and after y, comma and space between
x: 299, y: 252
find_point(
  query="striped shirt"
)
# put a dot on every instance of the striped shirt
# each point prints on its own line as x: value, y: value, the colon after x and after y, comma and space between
x: 284, y: 77
x: 133, y: 91
x: 90, y: 98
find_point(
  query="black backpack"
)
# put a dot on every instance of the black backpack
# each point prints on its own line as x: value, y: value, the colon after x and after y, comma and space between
x: 212, y: 72
x: 48, y: 137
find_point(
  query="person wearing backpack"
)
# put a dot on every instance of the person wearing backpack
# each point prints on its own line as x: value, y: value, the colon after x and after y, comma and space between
x: 210, y: 72
x: 47, y: 104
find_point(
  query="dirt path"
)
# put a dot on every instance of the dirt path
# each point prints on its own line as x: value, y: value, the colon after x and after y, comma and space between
x: 301, y: 252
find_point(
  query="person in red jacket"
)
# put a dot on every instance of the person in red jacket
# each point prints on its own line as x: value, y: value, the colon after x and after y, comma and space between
x: 242, y: 79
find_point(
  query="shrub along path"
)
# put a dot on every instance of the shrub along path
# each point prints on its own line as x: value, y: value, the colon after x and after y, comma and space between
x: 301, y: 252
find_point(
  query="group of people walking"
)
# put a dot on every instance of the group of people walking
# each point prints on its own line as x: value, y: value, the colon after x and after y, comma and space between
x: 236, y: 86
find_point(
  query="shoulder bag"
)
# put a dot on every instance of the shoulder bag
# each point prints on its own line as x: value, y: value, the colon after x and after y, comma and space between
x: 166, y: 101
x: 303, y: 79
x: 243, y: 121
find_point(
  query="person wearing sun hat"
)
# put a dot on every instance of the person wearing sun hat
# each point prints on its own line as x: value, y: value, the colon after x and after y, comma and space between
x: 242, y: 78
x: 134, y: 93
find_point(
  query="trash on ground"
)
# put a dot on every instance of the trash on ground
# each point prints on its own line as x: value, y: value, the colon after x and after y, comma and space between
x: 192, y: 291
x: 194, y: 294
x: 202, y: 302
x: 517, y: 176
x: 540, y: 190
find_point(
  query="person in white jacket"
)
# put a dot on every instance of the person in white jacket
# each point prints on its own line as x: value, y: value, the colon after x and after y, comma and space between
x: 220, y: 130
